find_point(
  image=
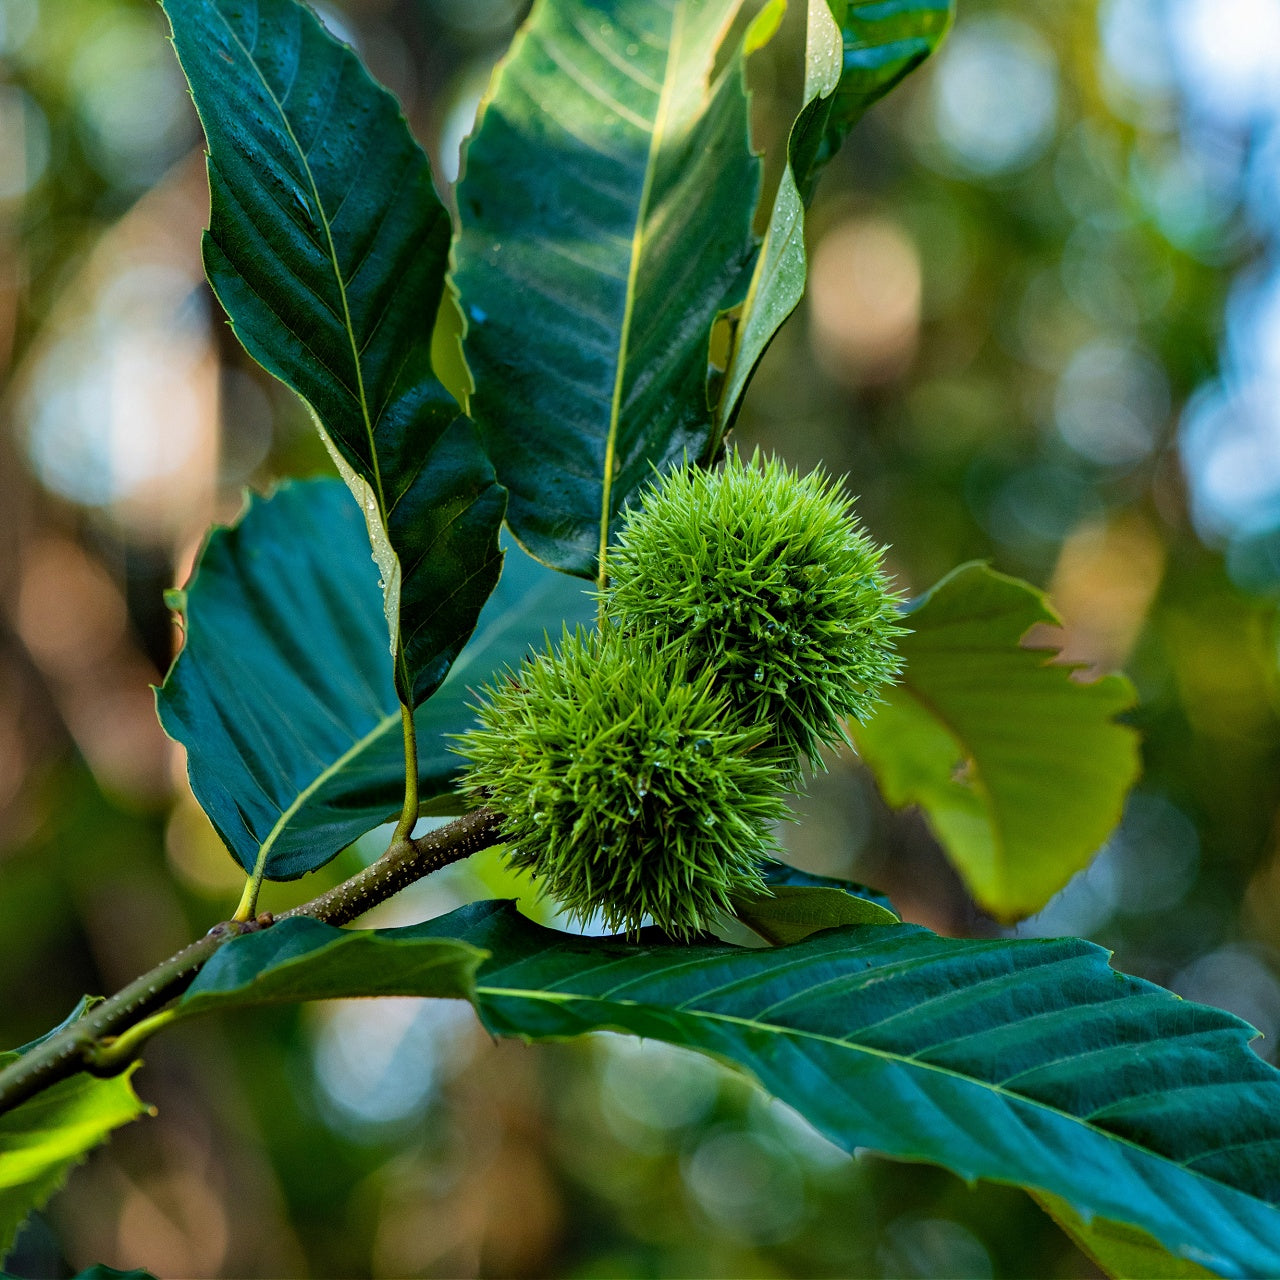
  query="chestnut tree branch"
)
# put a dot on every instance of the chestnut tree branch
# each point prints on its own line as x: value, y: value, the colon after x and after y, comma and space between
x: 85, y: 1045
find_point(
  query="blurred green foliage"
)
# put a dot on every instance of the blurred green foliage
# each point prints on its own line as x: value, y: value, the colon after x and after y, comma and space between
x: 1038, y: 332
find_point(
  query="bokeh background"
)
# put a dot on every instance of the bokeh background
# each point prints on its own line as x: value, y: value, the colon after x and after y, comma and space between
x: 1043, y: 329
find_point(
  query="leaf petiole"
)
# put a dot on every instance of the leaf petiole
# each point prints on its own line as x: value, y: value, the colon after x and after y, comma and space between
x: 112, y: 1055
x: 409, y: 813
x: 252, y: 887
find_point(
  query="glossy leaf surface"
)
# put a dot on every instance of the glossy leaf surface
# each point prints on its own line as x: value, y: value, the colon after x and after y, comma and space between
x: 1020, y: 769
x: 1028, y: 1062
x: 882, y: 42
x: 801, y: 904
x: 44, y: 1138
x: 327, y: 246
x: 606, y: 210
x: 283, y: 694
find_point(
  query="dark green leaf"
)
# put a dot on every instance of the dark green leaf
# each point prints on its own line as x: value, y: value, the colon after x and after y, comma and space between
x: 606, y: 211
x: 802, y: 904
x: 781, y: 873
x: 283, y: 694
x: 1020, y: 769
x: 44, y: 1138
x: 303, y: 959
x: 1028, y: 1062
x: 327, y: 246
x: 794, y: 912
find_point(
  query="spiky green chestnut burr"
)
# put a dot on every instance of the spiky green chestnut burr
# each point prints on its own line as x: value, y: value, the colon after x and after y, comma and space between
x: 763, y: 577
x: 626, y: 784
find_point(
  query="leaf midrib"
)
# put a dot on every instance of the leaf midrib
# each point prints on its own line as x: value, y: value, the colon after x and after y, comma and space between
x: 281, y: 824
x: 567, y: 997
x: 633, y: 273
x: 333, y: 257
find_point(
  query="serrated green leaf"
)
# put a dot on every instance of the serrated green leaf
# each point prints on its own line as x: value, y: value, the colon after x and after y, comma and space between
x: 1028, y: 1061
x: 801, y: 904
x: 606, y: 213
x: 327, y: 246
x: 853, y: 57
x: 1025, y: 1062
x: 283, y: 696
x: 45, y: 1137
x: 611, y: 188
x: 1020, y: 769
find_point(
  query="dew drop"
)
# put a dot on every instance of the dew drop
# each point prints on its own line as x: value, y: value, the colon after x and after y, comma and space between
x: 703, y: 747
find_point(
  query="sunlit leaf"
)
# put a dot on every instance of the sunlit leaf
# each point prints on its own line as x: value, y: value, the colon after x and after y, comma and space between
x: 1118, y: 1249
x: 882, y: 42
x: 606, y: 212
x: 1021, y: 769
x: 44, y: 1138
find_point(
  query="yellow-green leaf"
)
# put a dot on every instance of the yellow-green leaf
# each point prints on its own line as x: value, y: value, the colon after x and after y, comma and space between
x: 1020, y: 768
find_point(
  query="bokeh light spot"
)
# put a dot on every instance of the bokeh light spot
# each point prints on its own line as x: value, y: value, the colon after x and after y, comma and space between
x: 995, y: 94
